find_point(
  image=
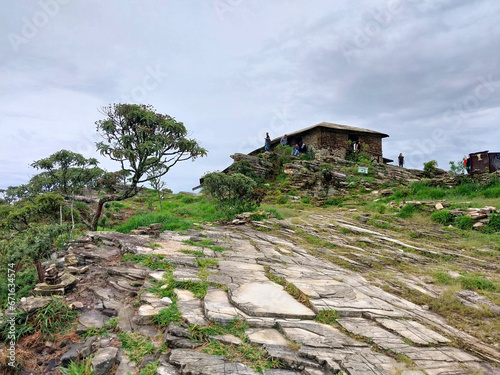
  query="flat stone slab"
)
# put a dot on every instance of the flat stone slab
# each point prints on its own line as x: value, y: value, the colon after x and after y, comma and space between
x: 157, y: 275
x: 266, y: 336
x: 316, y: 334
x: 145, y: 314
x: 228, y: 339
x: 125, y: 323
x: 31, y: 304
x: 195, y: 363
x: 367, y: 362
x: 190, y: 307
x: 368, y: 328
x: 218, y: 308
x: 104, y: 360
x: 414, y: 331
x: 186, y: 274
x: 269, y: 299
x: 92, y: 319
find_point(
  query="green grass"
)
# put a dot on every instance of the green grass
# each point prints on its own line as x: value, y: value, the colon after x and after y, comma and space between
x: 179, y: 212
x: 407, y: 211
x: 78, y: 368
x: 327, y: 317
x: 253, y: 355
x: 206, y: 243
x: 196, y: 253
x: 51, y: 320
x: 155, y: 262
x: 168, y: 315
x: 136, y: 345
x: 206, y: 262
x: 150, y: 368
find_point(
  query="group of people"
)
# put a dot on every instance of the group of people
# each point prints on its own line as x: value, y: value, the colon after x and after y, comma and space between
x: 302, y: 148
x: 299, y: 147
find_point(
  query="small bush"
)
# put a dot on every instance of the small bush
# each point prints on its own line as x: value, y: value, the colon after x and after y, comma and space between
x: 494, y: 224
x: 334, y: 201
x: 477, y: 283
x: 306, y: 200
x: 464, y: 222
x: 233, y: 194
x: 442, y: 217
x: 430, y: 167
x: 492, y: 192
x: 407, y: 211
x: 281, y: 199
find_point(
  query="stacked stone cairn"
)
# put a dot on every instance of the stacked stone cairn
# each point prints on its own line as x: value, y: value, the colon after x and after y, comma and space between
x: 52, y: 275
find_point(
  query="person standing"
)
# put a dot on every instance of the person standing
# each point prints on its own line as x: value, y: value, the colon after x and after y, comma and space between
x: 284, y: 140
x: 401, y: 160
x: 267, y: 145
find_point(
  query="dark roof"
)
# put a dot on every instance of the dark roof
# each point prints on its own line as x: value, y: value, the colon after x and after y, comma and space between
x: 344, y: 128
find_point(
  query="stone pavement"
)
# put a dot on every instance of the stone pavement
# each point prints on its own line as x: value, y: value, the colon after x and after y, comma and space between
x: 376, y: 332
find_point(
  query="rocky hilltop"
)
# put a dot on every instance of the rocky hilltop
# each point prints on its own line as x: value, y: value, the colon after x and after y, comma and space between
x: 307, y: 291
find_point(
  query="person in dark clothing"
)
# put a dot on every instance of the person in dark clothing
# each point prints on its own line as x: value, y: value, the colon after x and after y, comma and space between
x: 268, y: 142
x: 401, y: 160
x: 468, y: 165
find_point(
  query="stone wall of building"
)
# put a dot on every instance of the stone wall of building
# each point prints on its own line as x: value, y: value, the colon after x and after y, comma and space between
x: 371, y: 145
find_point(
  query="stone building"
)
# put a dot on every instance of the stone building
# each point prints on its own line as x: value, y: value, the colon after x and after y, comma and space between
x: 335, y: 140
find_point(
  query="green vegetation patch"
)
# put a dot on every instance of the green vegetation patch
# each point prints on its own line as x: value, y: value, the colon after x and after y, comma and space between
x: 209, y: 244
x: 155, y: 262
x: 469, y: 282
x: 78, y: 368
x: 136, y: 345
x: 252, y: 355
x: 51, y: 320
x: 327, y: 317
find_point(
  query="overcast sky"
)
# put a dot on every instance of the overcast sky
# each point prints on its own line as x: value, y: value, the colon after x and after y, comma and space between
x: 425, y: 72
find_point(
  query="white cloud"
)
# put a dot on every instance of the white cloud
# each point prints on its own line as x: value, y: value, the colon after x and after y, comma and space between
x: 260, y: 66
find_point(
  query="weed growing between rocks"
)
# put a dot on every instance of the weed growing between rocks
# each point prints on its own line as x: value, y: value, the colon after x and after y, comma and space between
x: 155, y: 262
x: 209, y: 244
x: 53, y: 319
x: 150, y: 368
x: 136, y: 345
x: 327, y: 317
x: 78, y: 368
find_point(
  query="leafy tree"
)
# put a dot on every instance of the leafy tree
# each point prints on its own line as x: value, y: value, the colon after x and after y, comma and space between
x: 66, y: 172
x: 145, y: 143
x: 234, y: 193
x: 458, y: 168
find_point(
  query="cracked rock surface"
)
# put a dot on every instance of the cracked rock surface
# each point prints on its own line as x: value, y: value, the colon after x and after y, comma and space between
x: 375, y: 332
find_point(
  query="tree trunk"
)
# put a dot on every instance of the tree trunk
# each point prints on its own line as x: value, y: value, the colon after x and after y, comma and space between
x: 110, y: 198
x: 39, y: 270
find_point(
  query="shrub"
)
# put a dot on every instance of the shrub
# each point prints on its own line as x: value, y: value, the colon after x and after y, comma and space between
x: 306, y: 199
x: 430, y: 167
x: 407, y: 211
x: 245, y: 168
x: 494, y: 223
x: 464, y: 222
x: 334, y: 201
x: 442, y: 217
x: 233, y: 194
x: 282, y: 199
